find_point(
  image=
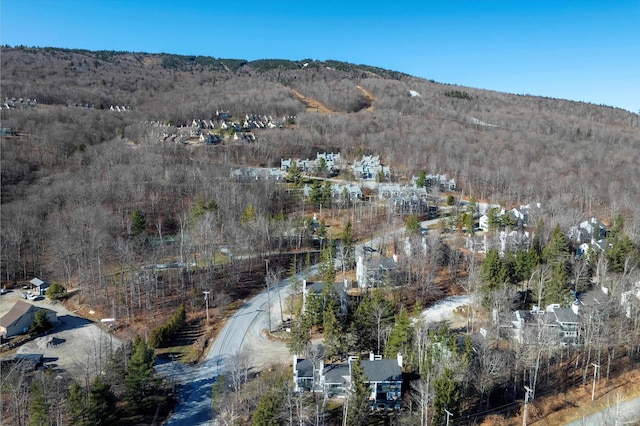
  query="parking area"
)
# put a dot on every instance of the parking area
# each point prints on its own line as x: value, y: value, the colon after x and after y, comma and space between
x: 75, y: 346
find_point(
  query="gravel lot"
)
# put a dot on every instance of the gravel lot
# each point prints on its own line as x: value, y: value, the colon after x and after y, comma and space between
x: 75, y: 346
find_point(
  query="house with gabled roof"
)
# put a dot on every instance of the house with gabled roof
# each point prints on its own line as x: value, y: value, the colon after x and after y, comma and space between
x: 556, y: 324
x: 382, y: 376
x: 20, y: 317
x: 39, y: 286
x: 373, y: 271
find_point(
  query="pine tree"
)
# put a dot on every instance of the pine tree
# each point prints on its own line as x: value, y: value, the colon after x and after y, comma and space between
x: 493, y: 274
x: 421, y: 182
x: 556, y: 289
x: 77, y: 401
x: 348, y: 245
x: 400, y: 335
x: 333, y: 333
x: 300, y: 335
x: 249, y: 215
x: 413, y: 225
x: 294, y: 174
x: 102, y: 403
x: 39, y: 406
x: 268, y: 409
x: 139, y: 378
x: 138, y: 223
x: 558, y: 247
x: 447, y: 396
x: 358, y: 399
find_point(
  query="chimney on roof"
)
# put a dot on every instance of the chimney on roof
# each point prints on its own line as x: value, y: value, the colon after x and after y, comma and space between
x: 399, y: 360
x: 372, y: 357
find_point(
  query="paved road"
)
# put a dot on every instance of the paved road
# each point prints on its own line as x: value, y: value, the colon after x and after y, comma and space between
x: 194, y: 407
x: 625, y: 413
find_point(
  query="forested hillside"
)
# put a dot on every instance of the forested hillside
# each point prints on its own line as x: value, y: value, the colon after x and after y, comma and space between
x: 579, y: 160
x: 101, y: 178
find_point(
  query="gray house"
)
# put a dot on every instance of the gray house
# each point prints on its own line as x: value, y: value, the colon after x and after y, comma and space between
x: 383, y: 376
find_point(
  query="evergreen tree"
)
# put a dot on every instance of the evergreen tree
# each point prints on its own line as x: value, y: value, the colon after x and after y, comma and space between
x: 621, y: 253
x: 358, y: 398
x: 322, y: 167
x: 268, y: 410
x: 77, y: 401
x: 447, y: 397
x: 333, y: 333
x: 400, y: 335
x: 493, y: 274
x: 494, y: 220
x: 558, y: 247
x: 300, y: 336
x: 139, y: 378
x: 202, y: 206
x: 316, y: 193
x: 40, y: 323
x: 39, y: 406
x: 249, y: 215
x: 327, y: 269
x: 363, y: 326
x: 556, y: 289
x: 412, y: 225
x: 348, y: 245
x: 421, y: 182
x: 523, y: 262
x: 102, y: 403
x: 138, y: 223
x: 294, y: 174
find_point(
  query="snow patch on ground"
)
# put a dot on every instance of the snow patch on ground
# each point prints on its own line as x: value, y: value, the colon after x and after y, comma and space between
x: 443, y: 310
x: 481, y: 123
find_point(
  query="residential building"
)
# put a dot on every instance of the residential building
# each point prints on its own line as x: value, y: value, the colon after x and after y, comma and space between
x: 20, y: 317
x: 333, y: 380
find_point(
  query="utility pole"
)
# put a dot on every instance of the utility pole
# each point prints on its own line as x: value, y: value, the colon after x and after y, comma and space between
x: 526, y: 402
x: 266, y: 278
x: 596, y: 368
x: 206, y: 301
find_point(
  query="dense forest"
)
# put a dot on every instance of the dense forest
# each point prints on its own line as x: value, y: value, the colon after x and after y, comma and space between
x: 96, y: 185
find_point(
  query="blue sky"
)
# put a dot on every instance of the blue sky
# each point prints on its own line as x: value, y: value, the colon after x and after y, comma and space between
x: 579, y: 50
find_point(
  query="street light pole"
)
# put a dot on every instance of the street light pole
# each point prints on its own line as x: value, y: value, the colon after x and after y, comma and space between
x: 526, y: 402
x: 595, y: 377
x: 206, y: 301
x: 266, y: 278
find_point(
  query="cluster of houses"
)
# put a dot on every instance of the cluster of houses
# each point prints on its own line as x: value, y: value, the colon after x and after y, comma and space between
x: 119, y: 108
x: 369, y: 166
x: 442, y: 182
x: 557, y: 325
x: 208, y: 131
x: 327, y: 163
x: 13, y: 103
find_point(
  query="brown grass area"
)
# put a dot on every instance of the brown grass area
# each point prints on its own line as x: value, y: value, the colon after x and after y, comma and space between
x: 368, y: 95
x: 312, y: 104
x: 574, y: 403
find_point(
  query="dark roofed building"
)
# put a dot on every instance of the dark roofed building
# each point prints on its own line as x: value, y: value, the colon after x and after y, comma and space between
x: 383, y: 376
